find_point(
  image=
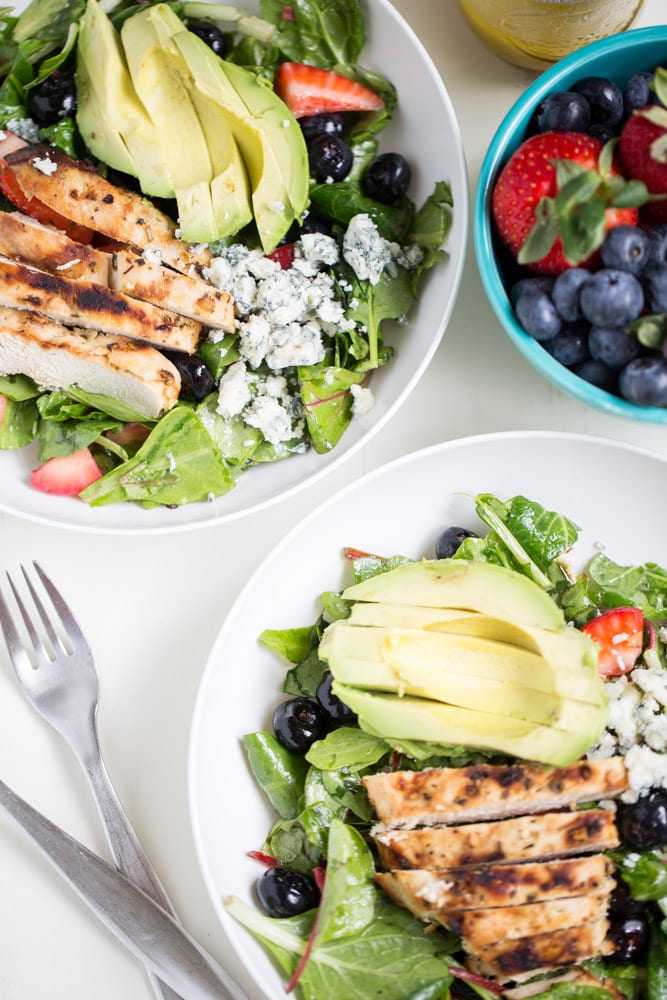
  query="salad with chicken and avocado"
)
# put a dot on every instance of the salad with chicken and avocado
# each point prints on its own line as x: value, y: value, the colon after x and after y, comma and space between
x: 200, y: 240
x: 469, y: 775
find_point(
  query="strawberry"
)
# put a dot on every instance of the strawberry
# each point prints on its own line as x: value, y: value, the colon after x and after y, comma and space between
x: 643, y: 147
x: 37, y: 210
x: 283, y: 255
x: 557, y: 197
x: 66, y: 475
x: 309, y: 90
x: 620, y: 635
x: 3, y: 406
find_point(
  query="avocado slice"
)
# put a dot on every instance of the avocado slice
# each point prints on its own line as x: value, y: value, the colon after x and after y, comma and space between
x: 269, y: 137
x: 112, y: 121
x: 359, y: 649
x: 162, y: 83
x: 568, y: 648
x: 229, y: 196
x: 472, y: 586
x: 408, y: 718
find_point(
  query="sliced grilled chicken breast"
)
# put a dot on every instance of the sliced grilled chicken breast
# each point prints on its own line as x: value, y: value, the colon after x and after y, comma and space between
x: 405, y: 799
x: 143, y: 279
x: 57, y: 357
x: 79, y: 193
x: 94, y: 307
x: 24, y: 239
x: 500, y: 923
x: 522, y: 838
x: 541, y: 952
x: 429, y: 893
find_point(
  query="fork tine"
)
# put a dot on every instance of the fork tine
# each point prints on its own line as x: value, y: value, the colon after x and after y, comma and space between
x: 66, y: 617
x: 33, y: 635
x: 17, y: 653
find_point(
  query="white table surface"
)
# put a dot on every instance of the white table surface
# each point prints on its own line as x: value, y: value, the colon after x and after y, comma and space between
x: 152, y: 607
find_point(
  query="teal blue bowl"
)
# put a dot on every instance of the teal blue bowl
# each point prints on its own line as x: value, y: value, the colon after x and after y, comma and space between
x: 617, y: 57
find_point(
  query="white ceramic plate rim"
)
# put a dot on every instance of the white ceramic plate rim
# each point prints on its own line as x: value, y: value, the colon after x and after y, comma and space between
x: 250, y: 495
x: 274, y: 565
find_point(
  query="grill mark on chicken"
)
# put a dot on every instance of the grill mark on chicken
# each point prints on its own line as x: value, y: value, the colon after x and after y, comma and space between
x: 93, y: 306
x: 405, y: 799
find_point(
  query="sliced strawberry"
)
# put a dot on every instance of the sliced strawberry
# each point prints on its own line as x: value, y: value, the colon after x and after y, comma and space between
x: 283, y: 255
x: 620, y: 635
x: 309, y: 90
x: 37, y: 210
x: 3, y: 406
x: 68, y: 475
x: 128, y: 434
x: 545, y: 233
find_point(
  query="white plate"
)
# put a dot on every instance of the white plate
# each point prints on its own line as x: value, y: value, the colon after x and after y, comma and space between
x: 425, y: 130
x: 612, y: 491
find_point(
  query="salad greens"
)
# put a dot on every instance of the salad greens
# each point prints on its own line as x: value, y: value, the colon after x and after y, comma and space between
x: 212, y: 449
x: 319, y: 795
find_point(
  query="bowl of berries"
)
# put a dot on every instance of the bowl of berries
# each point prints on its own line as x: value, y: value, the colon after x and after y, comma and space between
x: 570, y: 224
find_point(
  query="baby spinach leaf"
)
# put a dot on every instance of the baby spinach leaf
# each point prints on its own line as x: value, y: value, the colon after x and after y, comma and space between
x: 18, y: 387
x: 392, y: 958
x: 643, y: 586
x: 178, y: 463
x: 19, y: 423
x: 278, y: 772
x: 319, y: 32
x: 63, y: 437
x: 646, y: 877
x: 347, y: 747
x: 348, y: 898
x: 570, y: 991
x: 368, y: 565
x: 327, y: 401
x: 293, y: 842
x: 292, y: 643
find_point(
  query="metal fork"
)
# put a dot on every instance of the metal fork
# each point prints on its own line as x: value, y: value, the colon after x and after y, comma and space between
x: 60, y: 680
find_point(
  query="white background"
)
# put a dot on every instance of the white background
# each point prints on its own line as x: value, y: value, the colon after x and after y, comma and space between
x: 152, y: 607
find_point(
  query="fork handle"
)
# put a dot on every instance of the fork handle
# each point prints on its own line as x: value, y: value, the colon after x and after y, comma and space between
x: 126, y: 849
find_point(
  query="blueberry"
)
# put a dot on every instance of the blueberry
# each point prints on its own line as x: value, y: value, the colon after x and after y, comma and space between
x: 566, y: 290
x: 570, y: 346
x: 604, y: 97
x: 52, y: 99
x: 538, y: 315
x: 598, y: 374
x: 622, y: 904
x: 298, y: 723
x: 637, y: 92
x: 611, y: 298
x: 644, y: 381
x: 311, y: 223
x: 643, y: 824
x: 630, y: 938
x: 625, y: 248
x: 612, y: 346
x: 603, y: 133
x: 450, y: 541
x: 284, y: 893
x: 539, y: 283
x: 654, y: 281
x: 330, y: 158
x: 338, y: 712
x: 563, y: 111
x: 657, y: 244
x: 210, y: 34
x: 387, y: 178
x: 327, y: 123
x: 196, y: 380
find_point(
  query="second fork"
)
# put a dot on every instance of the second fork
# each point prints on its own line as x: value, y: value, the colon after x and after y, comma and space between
x: 62, y: 685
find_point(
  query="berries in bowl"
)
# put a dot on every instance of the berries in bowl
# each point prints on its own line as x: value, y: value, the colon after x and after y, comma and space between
x: 570, y: 225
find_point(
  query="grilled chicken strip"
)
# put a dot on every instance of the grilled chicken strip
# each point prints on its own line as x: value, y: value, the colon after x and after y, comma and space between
x: 428, y: 894
x: 142, y: 279
x: 541, y: 952
x: 79, y: 193
x: 405, y: 799
x: 57, y: 357
x: 24, y: 239
x: 507, y: 923
x: 88, y: 305
x: 520, y: 839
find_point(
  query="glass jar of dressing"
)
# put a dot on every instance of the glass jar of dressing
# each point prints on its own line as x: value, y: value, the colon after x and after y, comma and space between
x: 537, y: 33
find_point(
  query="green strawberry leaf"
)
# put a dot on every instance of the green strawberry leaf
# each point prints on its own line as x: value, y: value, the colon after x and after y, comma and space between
x: 631, y: 194
x: 660, y: 84
x: 582, y: 230
x: 576, y: 191
x: 542, y: 236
